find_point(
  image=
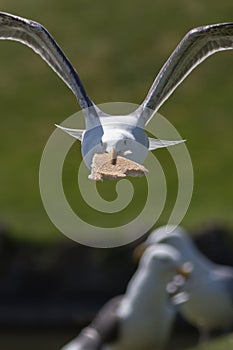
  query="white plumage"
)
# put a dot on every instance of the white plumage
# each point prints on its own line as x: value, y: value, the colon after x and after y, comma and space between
x: 144, y: 315
x: 210, y: 287
x: 122, y: 135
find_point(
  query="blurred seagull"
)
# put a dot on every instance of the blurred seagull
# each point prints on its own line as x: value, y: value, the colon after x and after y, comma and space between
x: 210, y: 287
x: 142, y: 318
x: 114, y: 146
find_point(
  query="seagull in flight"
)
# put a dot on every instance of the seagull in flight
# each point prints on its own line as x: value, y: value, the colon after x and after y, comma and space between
x: 115, y: 146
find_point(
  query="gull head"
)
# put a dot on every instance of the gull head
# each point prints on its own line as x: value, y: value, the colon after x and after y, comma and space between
x: 124, y: 140
x: 177, y: 237
x: 166, y: 261
x: 167, y: 234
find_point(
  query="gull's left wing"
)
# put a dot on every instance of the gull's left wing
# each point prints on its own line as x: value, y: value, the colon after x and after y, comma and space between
x: 38, y: 38
x: 196, y: 46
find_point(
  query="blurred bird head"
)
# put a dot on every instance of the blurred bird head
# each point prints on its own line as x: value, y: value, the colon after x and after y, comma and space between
x: 166, y: 261
x: 167, y: 234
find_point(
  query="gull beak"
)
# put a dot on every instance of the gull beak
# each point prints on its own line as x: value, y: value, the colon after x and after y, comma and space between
x: 138, y: 252
x: 113, y: 156
x: 185, y: 270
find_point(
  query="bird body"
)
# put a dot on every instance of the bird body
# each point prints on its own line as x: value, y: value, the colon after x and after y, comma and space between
x: 126, y: 138
x: 141, y: 295
x: 143, y: 316
x: 210, y: 287
x: 120, y: 136
x: 210, y: 303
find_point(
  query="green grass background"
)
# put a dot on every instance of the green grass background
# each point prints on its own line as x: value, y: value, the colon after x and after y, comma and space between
x: 117, y: 47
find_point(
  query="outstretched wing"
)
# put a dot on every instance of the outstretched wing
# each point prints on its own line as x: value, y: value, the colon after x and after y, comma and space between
x: 195, y: 47
x: 38, y: 38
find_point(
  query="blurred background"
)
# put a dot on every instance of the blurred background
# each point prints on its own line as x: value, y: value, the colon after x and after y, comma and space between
x: 49, y: 285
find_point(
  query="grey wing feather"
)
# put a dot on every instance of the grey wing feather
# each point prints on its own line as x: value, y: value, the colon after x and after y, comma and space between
x: 106, y: 321
x: 195, y: 47
x: 88, y: 339
x: 38, y: 38
x: 229, y: 284
x: 103, y: 329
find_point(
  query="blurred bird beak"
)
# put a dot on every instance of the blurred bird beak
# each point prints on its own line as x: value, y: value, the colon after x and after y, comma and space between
x: 138, y: 252
x: 113, y: 156
x: 185, y: 270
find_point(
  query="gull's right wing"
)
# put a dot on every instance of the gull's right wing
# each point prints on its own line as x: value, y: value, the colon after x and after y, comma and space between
x: 196, y: 46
